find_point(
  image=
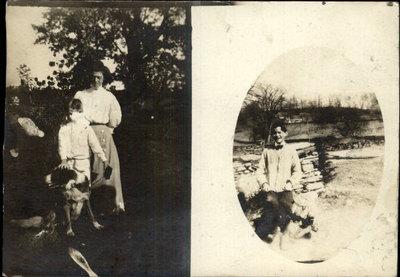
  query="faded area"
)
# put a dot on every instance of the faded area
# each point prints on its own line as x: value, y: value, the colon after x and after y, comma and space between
x: 341, y: 208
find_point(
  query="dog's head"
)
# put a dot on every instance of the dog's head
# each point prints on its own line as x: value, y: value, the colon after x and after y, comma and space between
x: 65, y: 178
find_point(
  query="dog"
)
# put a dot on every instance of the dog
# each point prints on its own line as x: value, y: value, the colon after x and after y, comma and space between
x: 71, y: 191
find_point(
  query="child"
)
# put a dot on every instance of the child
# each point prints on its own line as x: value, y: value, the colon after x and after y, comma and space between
x: 279, y: 173
x: 75, y: 139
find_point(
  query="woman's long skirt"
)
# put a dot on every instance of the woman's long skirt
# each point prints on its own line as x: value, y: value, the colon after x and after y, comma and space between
x: 104, y: 135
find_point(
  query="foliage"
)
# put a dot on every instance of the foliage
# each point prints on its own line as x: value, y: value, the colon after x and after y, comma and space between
x: 147, y: 46
x: 24, y: 74
x: 349, y: 123
x: 265, y: 103
x: 261, y: 106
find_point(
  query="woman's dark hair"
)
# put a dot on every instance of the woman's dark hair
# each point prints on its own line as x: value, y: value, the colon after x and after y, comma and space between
x: 82, y: 73
x: 76, y: 105
x: 99, y: 67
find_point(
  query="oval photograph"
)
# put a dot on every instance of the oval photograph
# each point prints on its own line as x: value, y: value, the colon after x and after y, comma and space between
x: 308, y: 153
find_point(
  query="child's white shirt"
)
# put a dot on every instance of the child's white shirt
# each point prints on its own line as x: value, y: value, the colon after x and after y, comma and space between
x: 75, y: 139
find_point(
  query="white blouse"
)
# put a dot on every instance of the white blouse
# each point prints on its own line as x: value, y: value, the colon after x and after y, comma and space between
x: 100, y: 106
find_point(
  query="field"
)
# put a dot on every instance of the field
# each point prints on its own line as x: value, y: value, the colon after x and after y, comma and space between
x: 301, y: 131
x: 342, y: 209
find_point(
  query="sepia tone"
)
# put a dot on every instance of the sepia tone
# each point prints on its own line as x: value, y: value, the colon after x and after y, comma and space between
x: 113, y: 81
x: 338, y: 135
x: 239, y: 46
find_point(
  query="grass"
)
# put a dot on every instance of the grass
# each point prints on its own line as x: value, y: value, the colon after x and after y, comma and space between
x: 153, y: 235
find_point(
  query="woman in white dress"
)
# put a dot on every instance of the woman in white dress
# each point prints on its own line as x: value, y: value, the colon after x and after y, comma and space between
x: 103, y: 111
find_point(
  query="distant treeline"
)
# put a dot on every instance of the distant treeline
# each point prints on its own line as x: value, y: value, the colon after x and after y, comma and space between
x: 330, y: 114
x: 320, y: 115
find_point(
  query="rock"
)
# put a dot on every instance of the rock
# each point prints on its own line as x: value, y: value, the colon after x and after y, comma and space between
x: 249, y: 158
x: 302, y: 145
x: 315, y: 186
x: 306, y: 151
x: 312, y: 179
x: 307, y: 167
x: 303, y: 161
x: 236, y: 158
x: 310, y: 158
x: 247, y: 165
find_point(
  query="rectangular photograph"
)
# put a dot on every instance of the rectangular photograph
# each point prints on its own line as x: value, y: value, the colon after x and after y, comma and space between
x: 96, y: 155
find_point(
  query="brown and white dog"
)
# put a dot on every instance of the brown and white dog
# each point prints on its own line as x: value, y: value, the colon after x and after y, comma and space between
x: 72, y: 192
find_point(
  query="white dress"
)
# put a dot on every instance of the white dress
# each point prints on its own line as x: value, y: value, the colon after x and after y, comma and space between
x: 103, y: 111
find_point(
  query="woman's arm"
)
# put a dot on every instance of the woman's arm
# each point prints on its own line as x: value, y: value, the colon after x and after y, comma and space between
x: 95, y: 144
x: 115, y: 113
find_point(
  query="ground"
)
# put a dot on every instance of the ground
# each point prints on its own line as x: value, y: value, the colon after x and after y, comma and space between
x: 152, y: 236
x: 344, y: 207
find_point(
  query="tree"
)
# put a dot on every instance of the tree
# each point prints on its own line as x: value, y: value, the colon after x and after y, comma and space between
x: 292, y: 103
x: 319, y: 101
x: 337, y: 102
x: 349, y: 122
x: 261, y: 106
x: 373, y: 102
x: 148, y: 46
x: 24, y: 74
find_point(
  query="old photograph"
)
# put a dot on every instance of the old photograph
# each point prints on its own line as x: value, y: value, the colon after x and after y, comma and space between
x: 308, y: 153
x: 96, y: 156
x: 295, y: 109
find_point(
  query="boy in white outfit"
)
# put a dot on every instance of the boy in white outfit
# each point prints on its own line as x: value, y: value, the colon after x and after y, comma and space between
x: 75, y: 139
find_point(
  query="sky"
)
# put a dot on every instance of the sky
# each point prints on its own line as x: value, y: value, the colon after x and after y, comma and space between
x: 21, y: 48
x: 20, y: 44
x: 312, y: 72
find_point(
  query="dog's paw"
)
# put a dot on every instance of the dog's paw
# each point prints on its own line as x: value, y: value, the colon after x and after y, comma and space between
x: 70, y: 233
x: 97, y: 225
